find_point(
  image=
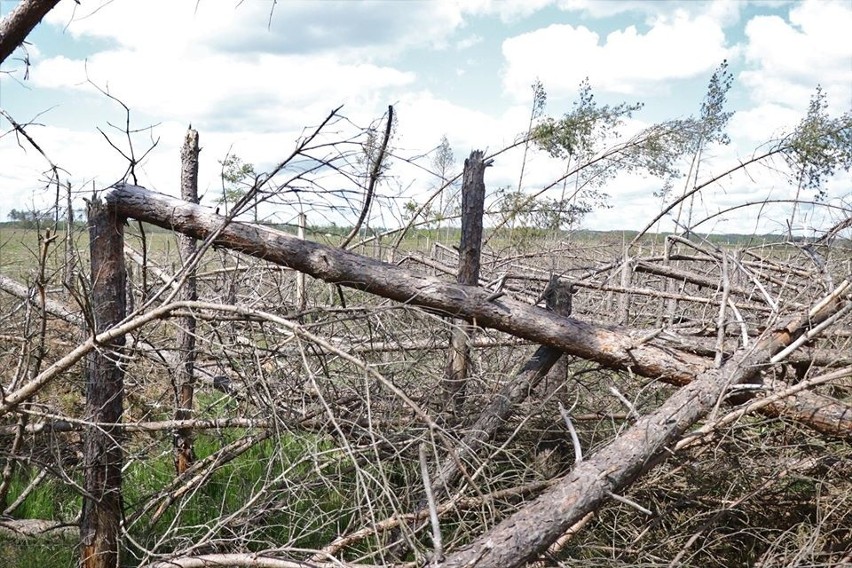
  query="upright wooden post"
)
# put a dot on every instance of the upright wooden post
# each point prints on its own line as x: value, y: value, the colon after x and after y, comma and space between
x: 301, y: 290
x: 624, y: 298
x: 669, y: 314
x: 103, y: 458
x: 470, y: 248
x: 184, y: 378
x: 69, y: 265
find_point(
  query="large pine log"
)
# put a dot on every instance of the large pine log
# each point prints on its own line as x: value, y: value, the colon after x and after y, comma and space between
x: 609, y: 346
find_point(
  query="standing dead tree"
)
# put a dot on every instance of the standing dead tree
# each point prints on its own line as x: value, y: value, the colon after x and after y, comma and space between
x: 103, y: 454
x: 473, y: 204
x: 184, y: 377
x: 495, y: 414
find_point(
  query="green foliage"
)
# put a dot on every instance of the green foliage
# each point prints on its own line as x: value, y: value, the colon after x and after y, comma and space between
x: 237, y: 179
x: 576, y: 138
x: 539, y: 100
x: 443, y: 161
x: 23, y: 554
x: 659, y: 149
x: 580, y: 132
x: 819, y: 146
x: 428, y: 215
x: 372, y: 145
x: 714, y: 118
x: 545, y: 213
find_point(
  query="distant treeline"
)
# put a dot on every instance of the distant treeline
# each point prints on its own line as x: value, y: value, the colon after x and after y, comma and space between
x: 30, y: 220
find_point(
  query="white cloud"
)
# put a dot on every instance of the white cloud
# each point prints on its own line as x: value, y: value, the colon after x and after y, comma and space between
x: 376, y: 30
x: 726, y: 12
x: 625, y: 62
x: 604, y: 8
x: 271, y: 90
x: 789, y: 58
x: 761, y: 123
x: 468, y: 42
x: 510, y: 10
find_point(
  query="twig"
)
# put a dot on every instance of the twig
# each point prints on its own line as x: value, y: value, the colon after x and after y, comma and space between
x: 578, y: 450
x: 626, y: 501
x: 374, y: 178
x: 437, y: 543
x: 720, y: 320
x: 625, y: 402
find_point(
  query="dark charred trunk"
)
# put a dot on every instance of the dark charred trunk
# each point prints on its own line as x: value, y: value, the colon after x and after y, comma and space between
x: 103, y: 458
x: 470, y: 249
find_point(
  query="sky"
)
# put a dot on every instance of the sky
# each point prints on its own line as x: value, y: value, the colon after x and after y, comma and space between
x: 251, y: 76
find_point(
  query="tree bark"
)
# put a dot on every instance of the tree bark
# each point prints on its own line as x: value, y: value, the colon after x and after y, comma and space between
x: 184, y: 378
x: 528, y: 532
x: 102, y: 453
x: 608, y: 346
x: 20, y: 22
x: 470, y: 248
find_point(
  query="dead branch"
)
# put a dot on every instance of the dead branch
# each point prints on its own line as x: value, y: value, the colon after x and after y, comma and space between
x: 37, y: 528
x: 374, y: 179
x: 52, y: 307
x: 16, y: 26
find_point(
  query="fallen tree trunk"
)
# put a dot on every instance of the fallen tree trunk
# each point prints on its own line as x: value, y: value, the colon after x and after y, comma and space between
x: 607, y: 346
x: 528, y: 532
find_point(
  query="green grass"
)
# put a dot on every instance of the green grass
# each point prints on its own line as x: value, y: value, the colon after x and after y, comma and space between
x: 38, y: 554
x: 302, y: 522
